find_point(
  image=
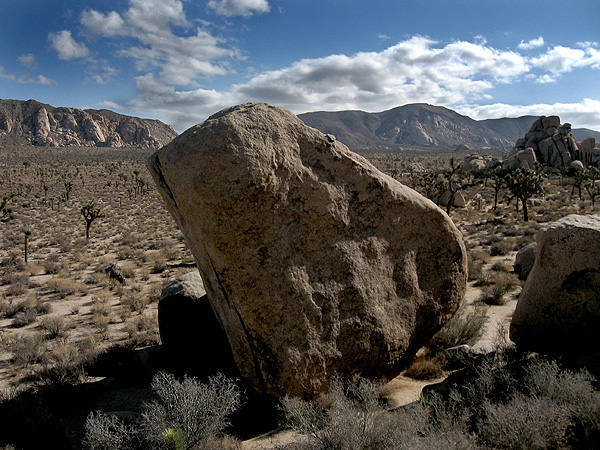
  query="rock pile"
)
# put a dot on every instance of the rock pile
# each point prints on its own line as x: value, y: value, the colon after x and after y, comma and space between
x: 315, y: 263
x: 555, y: 145
x: 559, y: 307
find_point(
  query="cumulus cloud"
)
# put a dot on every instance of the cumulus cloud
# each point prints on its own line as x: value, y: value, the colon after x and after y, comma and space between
x: 245, y: 8
x: 28, y: 60
x: 66, y: 46
x: 415, y: 70
x: 180, y: 59
x: 560, y: 59
x: 533, y: 43
x: 584, y: 114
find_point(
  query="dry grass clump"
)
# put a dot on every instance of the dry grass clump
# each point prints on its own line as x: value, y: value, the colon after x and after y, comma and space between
x: 462, y: 328
x: 54, y: 326
x: 425, y: 368
x: 501, y: 248
x: 501, y: 283
x: 64, y: 286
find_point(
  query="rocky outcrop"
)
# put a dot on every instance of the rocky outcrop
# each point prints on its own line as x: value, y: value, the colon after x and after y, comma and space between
x: 525, y: 159
x: 33, y: 123
x: 477, y: 165
x: 555, y: 145
x: 559, y: 307
x: 315, y: 262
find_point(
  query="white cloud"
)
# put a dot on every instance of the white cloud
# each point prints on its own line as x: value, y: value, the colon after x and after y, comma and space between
x: 24, y: 79
x: 533, y: 43
x: 245, y: 8
x: 66, y: 46
x: 111, y: 105
x: 180, y: 59
x: 41, y: 79
x: 545, y: 79
x: 584, y: 114
x: 110, y: 24
x: 28, y: 60
x: 561, y: 59
x: 415, y: 70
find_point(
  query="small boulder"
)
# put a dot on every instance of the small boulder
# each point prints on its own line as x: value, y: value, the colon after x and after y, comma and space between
x: 186, y: 321
x: 559, y: 307
x: 524, y: 261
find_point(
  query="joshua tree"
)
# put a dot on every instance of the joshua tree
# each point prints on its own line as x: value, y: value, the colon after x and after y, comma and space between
x: 27, y: 233
x: 5, y: 210
x: 90, y: 213
x: 579, y: 177
x: 591, y: 184
x: 455, y: 180
x: 430, y: 184
x: 524, y: 184
x: 498, y: 176
x: 68, y: 188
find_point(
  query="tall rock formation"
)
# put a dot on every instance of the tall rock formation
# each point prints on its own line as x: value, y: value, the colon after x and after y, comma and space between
x: 314, y: 262
x: 34, y: 123
x: 555, y: 145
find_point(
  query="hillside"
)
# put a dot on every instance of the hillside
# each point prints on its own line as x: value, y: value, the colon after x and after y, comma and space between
x: 33, y: 123
x: 423, y: 126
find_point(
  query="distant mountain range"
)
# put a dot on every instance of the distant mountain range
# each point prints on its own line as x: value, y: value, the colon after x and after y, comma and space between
x: 422, y: 126
x: 33, y: 123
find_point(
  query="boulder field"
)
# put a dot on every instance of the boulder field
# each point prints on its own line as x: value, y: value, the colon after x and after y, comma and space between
x: 315, y: 263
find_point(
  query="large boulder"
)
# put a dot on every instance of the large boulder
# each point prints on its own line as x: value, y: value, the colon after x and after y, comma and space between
x: 314, y: 261
x: 186, y: 321
x: 559, y: 307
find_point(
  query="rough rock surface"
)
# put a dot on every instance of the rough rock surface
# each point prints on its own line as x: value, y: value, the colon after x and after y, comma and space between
x: 559, y: 307
x: 524, y: 261
x: 30, y: 122
x: 555, y: 145
x: 525, y: 159
x: 475, y: 164
x: 186, y: 321
x: 315, y: 262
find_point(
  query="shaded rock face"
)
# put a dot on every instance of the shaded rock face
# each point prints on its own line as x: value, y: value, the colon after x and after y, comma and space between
x: 525, y: 159
x: 559, y: 307
x: 315, y: 263
x: 186, y: 321
x: 30, y: 122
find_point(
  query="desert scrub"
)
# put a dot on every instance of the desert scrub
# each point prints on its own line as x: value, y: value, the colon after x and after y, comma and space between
x: 463, y: 328
x: 54, y: 326
x: 27, y: 349
x: 501, y: 283
x: 64, y: 286
x: 190, y: 412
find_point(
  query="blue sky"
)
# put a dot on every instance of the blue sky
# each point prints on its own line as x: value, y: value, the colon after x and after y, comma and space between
x: 181, y: 60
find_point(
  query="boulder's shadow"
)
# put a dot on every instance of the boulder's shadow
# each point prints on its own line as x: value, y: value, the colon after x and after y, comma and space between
x: 54, y: 416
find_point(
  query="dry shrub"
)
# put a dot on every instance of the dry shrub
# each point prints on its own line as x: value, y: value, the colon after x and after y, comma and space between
x: 501, y: 284
x: 64, y: 286
x: 502, y: 248
x: 25, y: 317
x: 54, y: 326
x: 425, y: 368
x: 35, y: 269
x: 27, y: 349
x: 184, y: 414
x: 463, y: 328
